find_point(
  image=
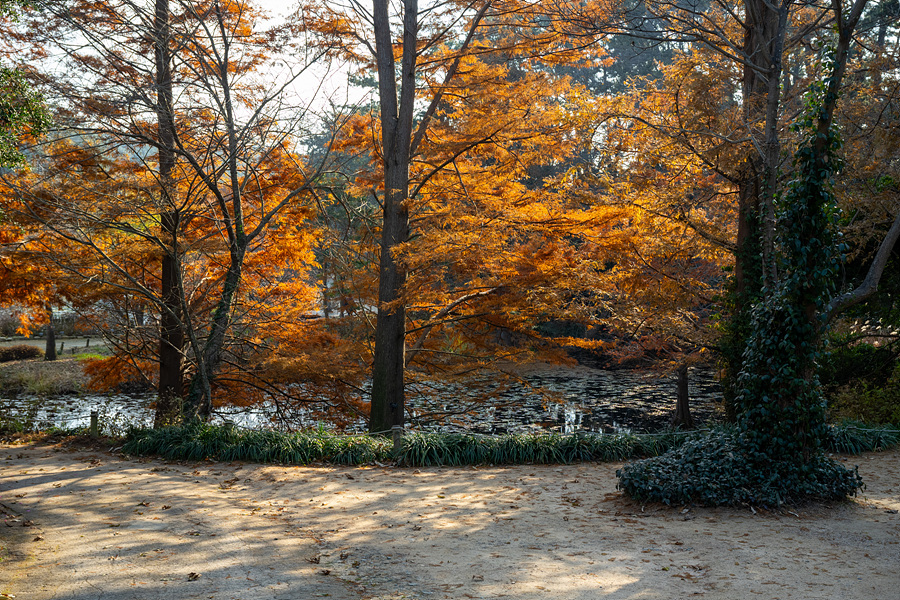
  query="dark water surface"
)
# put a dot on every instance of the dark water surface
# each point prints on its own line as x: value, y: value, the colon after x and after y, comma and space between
x: 559, y: 400
x: 590, y: 400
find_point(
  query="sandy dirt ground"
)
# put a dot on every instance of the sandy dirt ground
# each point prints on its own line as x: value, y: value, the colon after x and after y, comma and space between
x: 81, y: 524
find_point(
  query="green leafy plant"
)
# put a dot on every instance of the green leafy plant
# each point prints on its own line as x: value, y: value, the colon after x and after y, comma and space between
x: 868, y: 401
x: 716, y: 470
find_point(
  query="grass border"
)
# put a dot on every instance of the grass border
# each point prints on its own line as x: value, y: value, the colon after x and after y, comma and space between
x: 230, y: 443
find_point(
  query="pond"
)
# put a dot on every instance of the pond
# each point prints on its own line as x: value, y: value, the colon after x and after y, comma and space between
x: 560, y: 400
x: 594, y: 400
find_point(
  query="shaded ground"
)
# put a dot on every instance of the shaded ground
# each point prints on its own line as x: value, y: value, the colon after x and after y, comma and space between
x: 95, y: 525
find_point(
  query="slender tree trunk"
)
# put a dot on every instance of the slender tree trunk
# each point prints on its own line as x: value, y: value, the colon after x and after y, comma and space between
x: 199, y: 401
x: 50, y: 346
x: 171, y: 334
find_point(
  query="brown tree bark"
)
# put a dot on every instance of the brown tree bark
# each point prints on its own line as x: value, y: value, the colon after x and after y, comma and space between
x: 399, y: 142
x: 171, y: 333
x: 50, y: 346
x: 682, y: 417
x: 765, y: 28
x: 388, y: 395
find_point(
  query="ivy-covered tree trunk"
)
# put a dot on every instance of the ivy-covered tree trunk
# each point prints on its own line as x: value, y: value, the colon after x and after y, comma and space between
x: 782, y: 409
x: 777, y: 454
x: 765, y: 28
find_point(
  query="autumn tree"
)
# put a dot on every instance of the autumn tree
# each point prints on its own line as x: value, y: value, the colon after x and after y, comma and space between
x: 778, y: 449
x: 720, y: 110
x: 196, y: 181
x: 460, y: 228
x: 22, y: 112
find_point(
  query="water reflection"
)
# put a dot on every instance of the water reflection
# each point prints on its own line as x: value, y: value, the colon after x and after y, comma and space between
x: 589, y: 400
x: 566, y: 402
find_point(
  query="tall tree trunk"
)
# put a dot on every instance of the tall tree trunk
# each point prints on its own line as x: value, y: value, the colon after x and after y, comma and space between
x: 199, y: 401
x: 171, y: 334
x: 764, y: 39
x: 764, y: 34
x: 388, y: 395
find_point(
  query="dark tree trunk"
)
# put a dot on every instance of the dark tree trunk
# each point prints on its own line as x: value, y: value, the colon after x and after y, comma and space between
x: 388, y: 396
x: 682, y: 418
x: 765, y: 28
x: 171, y: 333
x: 764, y: 38
x: 199, y: 401
x: 50, y: 347
x: 398, y: 144
x: 389, y: 361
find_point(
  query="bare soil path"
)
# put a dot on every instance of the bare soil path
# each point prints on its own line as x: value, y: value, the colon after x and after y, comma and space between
x: 81, y: 524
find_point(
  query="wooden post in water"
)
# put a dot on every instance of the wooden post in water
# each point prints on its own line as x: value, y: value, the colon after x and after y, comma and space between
x: 95, y: 424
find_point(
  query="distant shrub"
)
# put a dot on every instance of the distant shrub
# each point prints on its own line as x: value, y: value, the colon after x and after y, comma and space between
x: 868, y: 401
x: 847, y: 364
x: 9, y: 324
x: 20, y: 352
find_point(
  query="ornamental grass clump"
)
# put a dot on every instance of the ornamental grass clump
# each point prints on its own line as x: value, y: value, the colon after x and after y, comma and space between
x: 197, y: 441
x: 696, y: 452
x: 854, y: 437
x: 227, y: 442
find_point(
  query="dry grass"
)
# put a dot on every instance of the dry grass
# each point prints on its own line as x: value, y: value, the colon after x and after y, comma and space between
x: 62, y: 376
